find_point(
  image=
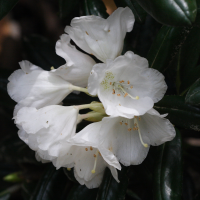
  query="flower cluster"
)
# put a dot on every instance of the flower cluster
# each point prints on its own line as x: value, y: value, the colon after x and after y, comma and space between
x: 126, y: 123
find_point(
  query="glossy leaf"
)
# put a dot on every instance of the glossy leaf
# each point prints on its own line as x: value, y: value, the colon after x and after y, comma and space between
x: 6, y: 6
x: 171, y: 12
x: 70, y: 174
x: 4, y: 196
x: 79, y: 192
x: 41, y: 52
x: 179, y: 113
x: 193, y: 95
x: 110, y: 189
x: 95, y: 7
x: 5, y: 99
x: 51, y: 186
x: 189, y: 56
x: 13, y: 149
x: 66, y: 7
x: 138, y: 11
x: 168, y: 170
x: 165, y: 46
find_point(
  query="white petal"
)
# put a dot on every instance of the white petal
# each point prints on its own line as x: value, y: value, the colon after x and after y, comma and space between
x: 123, y: 142
x: 78, y: 65
x: 35, y: 87
x: 52, y: 125
x: 93, y: 183
x: 155, y: 129
x: 103, y: 38
x: 89, y: 136
x: 126, y: 86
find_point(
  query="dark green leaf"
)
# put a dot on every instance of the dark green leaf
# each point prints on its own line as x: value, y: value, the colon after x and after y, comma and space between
x: 197, y: 21
x: 189, y: 56
x: 168, y: 170
x: 138, y: 11
x: 51, y: 186
x: 165, y: 46
x: 12, y: 149
x: 80, y: 192
x: 41, y: 52
x: 5, y: 99
x: 110, y: 189
x: 171, y: 12
x: 4, y: 196
x: 179, y: 113
x: 6, y: 6
x: 66, y: 7
x: 95, y: 7
x: 193, y: 95
x: 70, y: 174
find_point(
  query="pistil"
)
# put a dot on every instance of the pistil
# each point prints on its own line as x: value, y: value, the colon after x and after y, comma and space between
x: 95, y: 162
x: 138, y: 128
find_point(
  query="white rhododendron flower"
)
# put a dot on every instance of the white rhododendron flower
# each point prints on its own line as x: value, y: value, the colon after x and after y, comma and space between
x: 48, y: 128
x: 88, y: 157
x: 78, y: 65
x: 103, y: 38
x: 126, y: 86
x: 129, y: 139
x: 32, y: 86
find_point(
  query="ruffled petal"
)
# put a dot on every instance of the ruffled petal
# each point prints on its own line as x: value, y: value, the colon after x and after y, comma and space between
x: 118, y: 135
x: 155, y: 129
x: 51, y: 126
x: 78, y: 65
x: 34, y: 87
x: 103, y: 38
x: 89, y: 136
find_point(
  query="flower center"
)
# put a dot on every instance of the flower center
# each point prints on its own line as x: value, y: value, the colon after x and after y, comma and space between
x: 121, y: 89
x: 135, y: 127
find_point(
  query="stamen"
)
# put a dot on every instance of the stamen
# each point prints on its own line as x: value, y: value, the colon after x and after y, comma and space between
x: 95, y: 162
x: 138, y: 128
x: 69, y: 169
x: 137, y: 97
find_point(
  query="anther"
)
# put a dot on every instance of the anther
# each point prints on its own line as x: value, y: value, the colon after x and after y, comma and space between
x: 86, y: 32
x: 118, y: 94
x: 126, y: 95
x: 128, y: 82
x: 69, y: 169
x: 86, y: 149
x: 91, y: 148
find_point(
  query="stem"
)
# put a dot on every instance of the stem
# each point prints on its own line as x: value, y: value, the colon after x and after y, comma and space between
x: 85, y: 116
x: 79, y: 89
x: 88, y: 105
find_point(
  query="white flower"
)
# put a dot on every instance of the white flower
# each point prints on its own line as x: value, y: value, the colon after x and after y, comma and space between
x: 129, y: 139
x: 47, y: 129
x: 35, y: 87
x: 103, y: 38
x: 88, y: 158
x: 78, y: 65
x: 126, y: 86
